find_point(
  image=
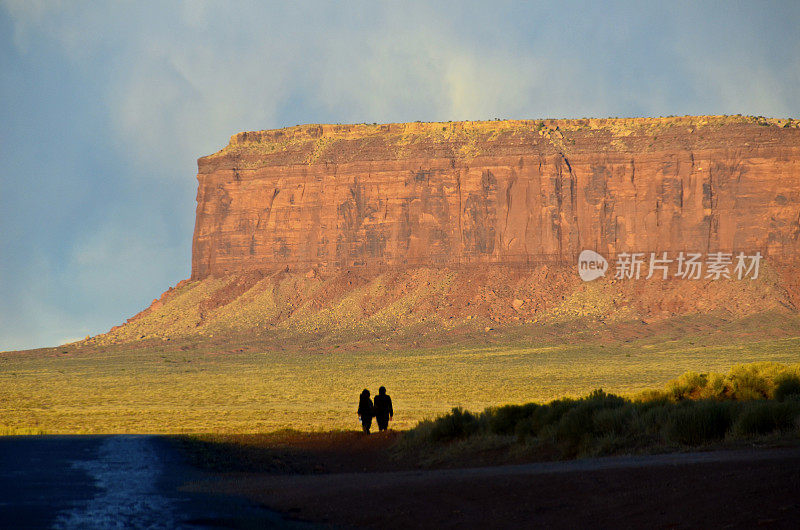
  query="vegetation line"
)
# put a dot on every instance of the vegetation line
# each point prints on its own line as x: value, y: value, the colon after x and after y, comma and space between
x: 751, y: 403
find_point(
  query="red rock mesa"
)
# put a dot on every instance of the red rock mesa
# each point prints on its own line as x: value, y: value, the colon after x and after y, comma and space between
x: 427, y: 228
x: 468, y: 193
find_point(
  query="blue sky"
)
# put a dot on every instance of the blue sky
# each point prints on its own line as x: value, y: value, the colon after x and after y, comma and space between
x: 105, y: 107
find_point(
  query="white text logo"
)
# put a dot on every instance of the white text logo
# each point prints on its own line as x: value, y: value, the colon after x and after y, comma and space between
x: 685, y: 266
x: 591, y: 265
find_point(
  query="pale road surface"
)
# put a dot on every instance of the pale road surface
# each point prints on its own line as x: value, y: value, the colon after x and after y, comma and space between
x: 102, y: 482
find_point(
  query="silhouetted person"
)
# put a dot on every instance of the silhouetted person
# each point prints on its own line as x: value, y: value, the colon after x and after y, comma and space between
x: 365, y: 411
x: 383, y: 409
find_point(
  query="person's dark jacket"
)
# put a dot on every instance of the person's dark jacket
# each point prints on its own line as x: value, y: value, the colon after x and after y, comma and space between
x: 365, y: 408
x: 383, y: 407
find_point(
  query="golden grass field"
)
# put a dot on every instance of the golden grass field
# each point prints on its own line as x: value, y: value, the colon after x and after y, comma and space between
x: 194, y: 388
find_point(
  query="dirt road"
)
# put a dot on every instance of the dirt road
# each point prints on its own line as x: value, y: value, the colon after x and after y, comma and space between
x: 724, y: 489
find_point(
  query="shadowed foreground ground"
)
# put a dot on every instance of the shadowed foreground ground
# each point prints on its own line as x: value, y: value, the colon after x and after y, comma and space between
x: 347, y: 488
x: 143, y: 482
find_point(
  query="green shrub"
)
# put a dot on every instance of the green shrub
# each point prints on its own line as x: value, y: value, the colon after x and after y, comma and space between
x: 698, y: 423
x: 694, y: 410
x: 716, y: 387
x: 787, y: 385
x: 754, y: 381
x: 458, y: 424
x: 652, y: 419
x: 504, y: 420
x: 573, y: 430
x: 687, y: 386
x: 419, y: 435
x: 650, y: 396
x: 767, y: 416
x: 608, y: 444
x: 600, y: 400
x: 755, y: 420
x: 527, y: 428
x: 743, y: 383
x: 577, y: 427
x: 546, y: 415
x: 617, y: 421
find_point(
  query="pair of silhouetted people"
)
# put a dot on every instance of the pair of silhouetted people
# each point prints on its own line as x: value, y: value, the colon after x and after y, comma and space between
x: 381, y: 410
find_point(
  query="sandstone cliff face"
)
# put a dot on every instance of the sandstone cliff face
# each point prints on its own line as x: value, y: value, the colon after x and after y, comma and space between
x: 512, y: 192
x: 385, y: 233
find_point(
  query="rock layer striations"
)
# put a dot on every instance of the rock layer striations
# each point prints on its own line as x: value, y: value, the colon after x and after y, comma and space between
x: 465, y: 194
